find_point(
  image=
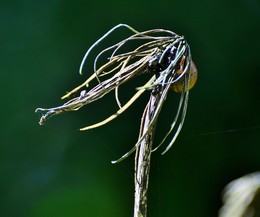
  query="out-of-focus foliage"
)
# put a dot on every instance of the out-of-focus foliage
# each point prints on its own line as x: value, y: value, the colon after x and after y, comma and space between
x: 242, y: 197
x: 57, y: 170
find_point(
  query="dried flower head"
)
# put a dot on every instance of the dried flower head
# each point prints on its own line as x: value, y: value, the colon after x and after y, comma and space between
x: 163, y: 54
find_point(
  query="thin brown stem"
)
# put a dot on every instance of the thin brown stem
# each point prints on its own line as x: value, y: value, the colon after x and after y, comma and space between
x: 143, y: 158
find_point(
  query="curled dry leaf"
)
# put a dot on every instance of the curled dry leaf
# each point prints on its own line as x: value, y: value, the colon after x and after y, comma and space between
x: 162, y: 54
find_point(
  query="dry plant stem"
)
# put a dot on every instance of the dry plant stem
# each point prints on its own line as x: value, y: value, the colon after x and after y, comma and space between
x: 143, y: 158
x: 163, y: 55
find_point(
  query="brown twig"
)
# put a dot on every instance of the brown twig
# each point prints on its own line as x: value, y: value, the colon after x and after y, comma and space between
x: 143, y: 158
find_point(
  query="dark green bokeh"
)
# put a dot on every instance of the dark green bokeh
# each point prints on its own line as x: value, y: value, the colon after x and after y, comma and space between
x: 57, y: 171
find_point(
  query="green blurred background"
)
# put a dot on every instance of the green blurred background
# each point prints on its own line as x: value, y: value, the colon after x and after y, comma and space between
x: 55, y: 170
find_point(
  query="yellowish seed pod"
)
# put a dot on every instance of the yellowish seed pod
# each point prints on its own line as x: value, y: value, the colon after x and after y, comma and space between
x: 179, y: 85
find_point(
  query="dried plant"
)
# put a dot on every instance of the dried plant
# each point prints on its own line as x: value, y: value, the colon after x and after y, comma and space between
x: 163, y: 55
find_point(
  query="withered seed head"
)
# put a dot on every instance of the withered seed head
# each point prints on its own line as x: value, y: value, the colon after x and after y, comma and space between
x: 162, y: 53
